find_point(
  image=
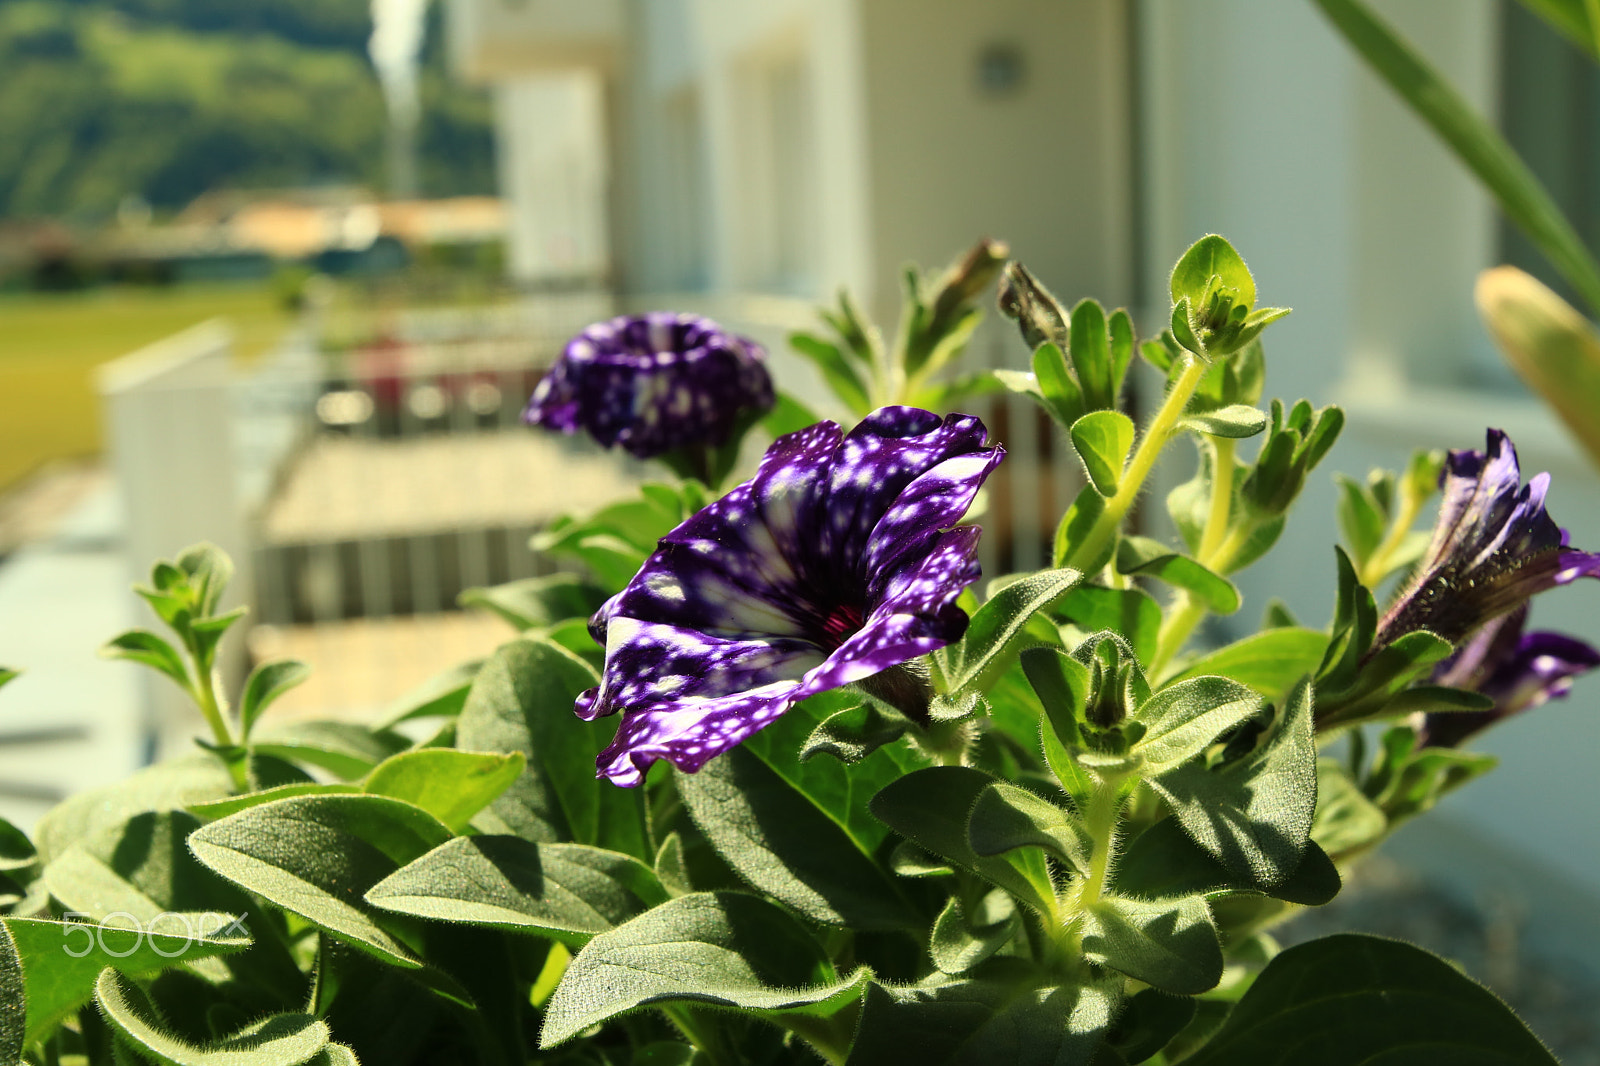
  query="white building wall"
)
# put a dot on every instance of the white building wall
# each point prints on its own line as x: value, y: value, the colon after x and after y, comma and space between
x: 551, y: 139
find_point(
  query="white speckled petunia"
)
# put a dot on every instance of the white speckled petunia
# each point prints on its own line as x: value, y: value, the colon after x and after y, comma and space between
x: 652, y: 383
x: 840, y: 559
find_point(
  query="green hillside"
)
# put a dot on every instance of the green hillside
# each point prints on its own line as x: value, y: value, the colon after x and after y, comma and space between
x: 166, y: 99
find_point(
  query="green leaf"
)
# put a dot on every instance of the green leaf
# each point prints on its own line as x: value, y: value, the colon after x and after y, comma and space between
x: 1102, y: 440
x: 1183, y: 719
x: 1007, y: 817
x: 522, y: 702
x: 61, y: 960
x: 16, y: 851
x: 7, y: 675
x: 537, y: 601
x: 142, y: 646
x: 1474, y: 141
x: 566, y: 891
x: 854, y: 733
x: 1361, y: 519
x: 342, y: 748
x: 1168, y: 944
x: 265, y: 684
x: 209, y: 569
x: 1164, y: 861
x: 1054, y: 384
x: 1132, y: 613
x: 1346, y: 819
x: 959, y: 942
x: 1145, y: 556
x: 836, y: 370
x: 442, y: 695
x: 1074, y: 528
x: 1254, y: 814
x: 1091, y: 356
x: 1356, y: 998
x: 141, y: 868
x: 317, y: 856
x: 1236, y: 421
x: 13, y: 1001
x: 451, y: 785
x: 1147, y: 1023
x: 1269, y: 662
x: 212, y: 810
x: 777, y: 837
x: 171, y: 785
x: 979, y: 1023
x: 281, y: 1040
x: 1211, y: 256
x: 723, y: 949
x: 931, y: 808
x: 1062, y: 685
x: 998, y: 621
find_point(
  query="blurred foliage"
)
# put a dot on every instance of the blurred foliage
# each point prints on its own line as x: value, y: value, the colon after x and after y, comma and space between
x: 166, y: 99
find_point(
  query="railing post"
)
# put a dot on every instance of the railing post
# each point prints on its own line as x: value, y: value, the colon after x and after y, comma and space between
x: 169, y: 426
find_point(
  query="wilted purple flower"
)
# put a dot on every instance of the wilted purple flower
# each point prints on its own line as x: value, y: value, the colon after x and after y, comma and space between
x: 1494, y: 546
x: 837, y: 561
x: 1516, y: 669
x: 653, y: 382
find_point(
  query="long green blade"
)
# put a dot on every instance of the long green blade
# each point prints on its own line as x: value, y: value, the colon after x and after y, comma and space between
x: 1485, y: 152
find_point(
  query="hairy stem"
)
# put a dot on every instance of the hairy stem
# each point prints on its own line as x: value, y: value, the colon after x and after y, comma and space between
x: 1187, y: 611
x: 1156, y: 434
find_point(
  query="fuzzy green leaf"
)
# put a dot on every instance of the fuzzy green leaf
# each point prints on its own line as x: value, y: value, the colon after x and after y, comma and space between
x: 451, y: 785
x: 998, y: 622
x: 1168, y: 944
x: 522, y: 702
x: 281, y: 1040
x: 723, y: 949
x: 1103, y: 439
x: 265, y: 684
x: 61, y: 960
x: 1183, y: 719
x: 1355, y: 998
x: 1254, y: 814
x: 317, y: 856
x: 1148, y: 557
x: 566, y: 891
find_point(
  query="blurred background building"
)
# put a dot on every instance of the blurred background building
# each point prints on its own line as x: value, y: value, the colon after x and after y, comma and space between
x: 747, y: 160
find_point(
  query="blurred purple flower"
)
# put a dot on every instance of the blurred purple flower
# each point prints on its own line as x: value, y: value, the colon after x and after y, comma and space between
x: 1516, y: 669
x: 836, y: 562
x: 653, y: 382
x: 1493, y: 547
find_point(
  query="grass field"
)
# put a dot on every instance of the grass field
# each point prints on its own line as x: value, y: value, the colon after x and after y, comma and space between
x: 50, y: 345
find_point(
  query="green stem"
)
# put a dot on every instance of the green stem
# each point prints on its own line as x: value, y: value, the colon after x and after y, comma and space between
x: 1378, y: 563
x: 1187, y: 611
x: 1101, y: 822
x: 1156, y: 434
x: 204, y: 689
x: 1221, y: 497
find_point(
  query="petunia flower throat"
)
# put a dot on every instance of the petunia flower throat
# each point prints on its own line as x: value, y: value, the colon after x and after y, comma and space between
x: 840, y: 559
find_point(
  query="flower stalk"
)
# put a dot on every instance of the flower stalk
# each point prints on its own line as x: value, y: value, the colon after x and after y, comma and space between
x: 1163, y: 424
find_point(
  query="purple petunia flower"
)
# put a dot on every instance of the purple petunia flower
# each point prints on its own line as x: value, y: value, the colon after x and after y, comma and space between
x: 837, y: 561
x: 1516, y: 669
x: 1494, y: 546
x: 653, y: 382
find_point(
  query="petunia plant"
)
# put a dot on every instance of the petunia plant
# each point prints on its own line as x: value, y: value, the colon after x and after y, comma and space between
x: 860, y: 803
